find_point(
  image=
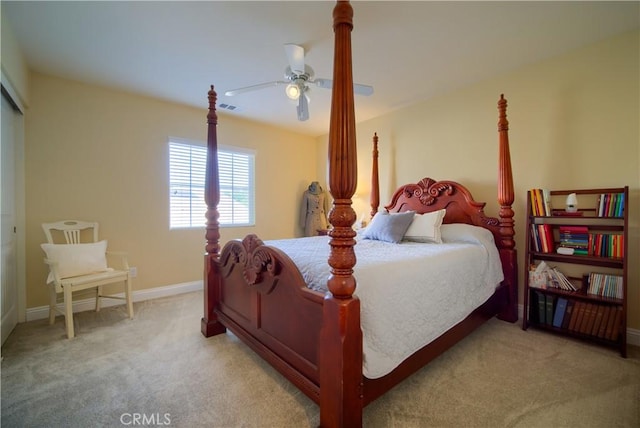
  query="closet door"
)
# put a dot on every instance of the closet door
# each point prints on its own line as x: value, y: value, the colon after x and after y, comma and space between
x: 8, y: 270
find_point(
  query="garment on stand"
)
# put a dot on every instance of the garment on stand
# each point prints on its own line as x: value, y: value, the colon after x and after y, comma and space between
x: 313, y: 210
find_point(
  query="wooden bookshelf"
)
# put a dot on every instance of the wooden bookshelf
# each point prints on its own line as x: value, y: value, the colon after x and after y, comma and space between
x: 597, y: 234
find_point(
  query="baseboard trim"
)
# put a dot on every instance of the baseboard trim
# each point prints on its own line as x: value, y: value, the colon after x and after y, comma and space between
x: 633, y: 337
x: 89, y: 304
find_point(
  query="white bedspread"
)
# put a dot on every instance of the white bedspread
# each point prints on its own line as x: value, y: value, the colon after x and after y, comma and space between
x: 410, y: 292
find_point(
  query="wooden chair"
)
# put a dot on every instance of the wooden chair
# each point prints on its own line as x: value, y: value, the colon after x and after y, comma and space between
x: 78, y: 261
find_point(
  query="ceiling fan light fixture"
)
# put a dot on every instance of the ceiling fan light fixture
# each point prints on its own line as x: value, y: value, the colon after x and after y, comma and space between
x: 293, y: 91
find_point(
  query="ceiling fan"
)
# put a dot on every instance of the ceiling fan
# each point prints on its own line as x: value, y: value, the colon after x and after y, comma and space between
x: 298, y: 76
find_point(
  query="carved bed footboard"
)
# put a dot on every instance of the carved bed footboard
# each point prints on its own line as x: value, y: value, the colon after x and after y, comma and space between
x: 264, y: 300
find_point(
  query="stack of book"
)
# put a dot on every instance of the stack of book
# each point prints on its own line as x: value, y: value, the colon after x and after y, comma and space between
x: 611, y: 205
x: 606, y: 285
x: 574, y: 240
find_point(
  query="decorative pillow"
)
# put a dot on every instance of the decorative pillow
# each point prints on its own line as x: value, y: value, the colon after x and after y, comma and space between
x: 426, y: 227
x: 461, y: 232
x: 77, y: 259
x: 388, y: 227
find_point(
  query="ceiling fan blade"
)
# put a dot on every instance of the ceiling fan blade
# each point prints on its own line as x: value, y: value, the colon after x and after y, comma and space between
x: 359, y: 89
x: 295, y: 55
x: 237, y: 91
x: 365, y: 90
x: 303, y: 108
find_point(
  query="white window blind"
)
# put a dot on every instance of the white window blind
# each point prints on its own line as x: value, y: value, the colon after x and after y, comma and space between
x: 187, y: 178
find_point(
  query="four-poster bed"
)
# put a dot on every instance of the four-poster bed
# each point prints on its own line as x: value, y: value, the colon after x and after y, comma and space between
x: 315, y: 339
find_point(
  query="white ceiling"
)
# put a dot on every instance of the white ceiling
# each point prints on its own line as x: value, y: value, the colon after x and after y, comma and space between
x: 409, y: 51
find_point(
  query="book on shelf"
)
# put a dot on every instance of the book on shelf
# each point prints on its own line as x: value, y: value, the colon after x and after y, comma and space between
x: 613, y: 325
x: 558, y: 316
x: 590, y: 318
x: 567, y: 314
x: 574, y: 240
x: 541, y: 306
x: 577, y: 240
x: 610, y: 245
x: 577, y: 316
x: 606, y: 285
x: 615, y: 329
x: 535, y: 239
x: 598, y: 320
x: 542, y: 238
x: 564, y: 213
x: 606, y: 313
x: 549, y: 309
x: 540, y: 202
x: 611, y: 205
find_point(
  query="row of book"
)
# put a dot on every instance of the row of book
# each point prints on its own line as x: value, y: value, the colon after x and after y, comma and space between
x: 611, y: 205
x: 610, y: 245
x: 578, y: 316
x: 606, y: 285
x: 540, y: 202
x: 606, y: 245
x: 543, y: 276
x: 576, y: 240
x: 542, y: 238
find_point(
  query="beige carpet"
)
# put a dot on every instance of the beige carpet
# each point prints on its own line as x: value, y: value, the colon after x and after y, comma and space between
x: 158, y: 369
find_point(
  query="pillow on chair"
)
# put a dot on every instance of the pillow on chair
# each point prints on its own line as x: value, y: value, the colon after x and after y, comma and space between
x: 77, y: 259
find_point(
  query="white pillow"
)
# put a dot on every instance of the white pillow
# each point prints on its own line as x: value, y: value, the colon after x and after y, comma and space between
x: 77, y: 259
x: 426, y: 227
x: 461, y: 232
x: 388, y: 227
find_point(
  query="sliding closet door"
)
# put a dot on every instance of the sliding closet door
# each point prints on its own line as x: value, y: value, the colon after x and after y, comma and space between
x: 8, y: 270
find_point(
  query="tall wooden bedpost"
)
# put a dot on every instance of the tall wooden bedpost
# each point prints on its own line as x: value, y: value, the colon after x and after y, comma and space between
x: 375, y: 182
x: 340, y: 348
x: 505, y: 199
x: 209, y: 324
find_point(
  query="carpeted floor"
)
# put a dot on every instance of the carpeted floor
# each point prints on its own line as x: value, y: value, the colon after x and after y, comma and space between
x: 158, y: 370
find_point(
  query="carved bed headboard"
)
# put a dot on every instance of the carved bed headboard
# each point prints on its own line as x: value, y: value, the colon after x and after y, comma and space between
x: 429, y: 195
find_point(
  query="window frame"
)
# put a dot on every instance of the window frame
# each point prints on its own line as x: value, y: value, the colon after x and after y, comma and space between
x: 250, y: 155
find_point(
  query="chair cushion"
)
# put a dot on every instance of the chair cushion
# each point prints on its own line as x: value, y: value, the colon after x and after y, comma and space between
x: 77, y: 259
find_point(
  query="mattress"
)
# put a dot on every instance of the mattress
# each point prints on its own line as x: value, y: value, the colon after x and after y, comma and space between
x: 410, y: 293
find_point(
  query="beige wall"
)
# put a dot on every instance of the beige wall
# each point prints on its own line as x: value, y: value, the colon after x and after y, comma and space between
x: 574, y: 123
x: 98, y: 154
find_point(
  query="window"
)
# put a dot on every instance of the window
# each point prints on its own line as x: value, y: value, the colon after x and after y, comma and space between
x: 187, y: 165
